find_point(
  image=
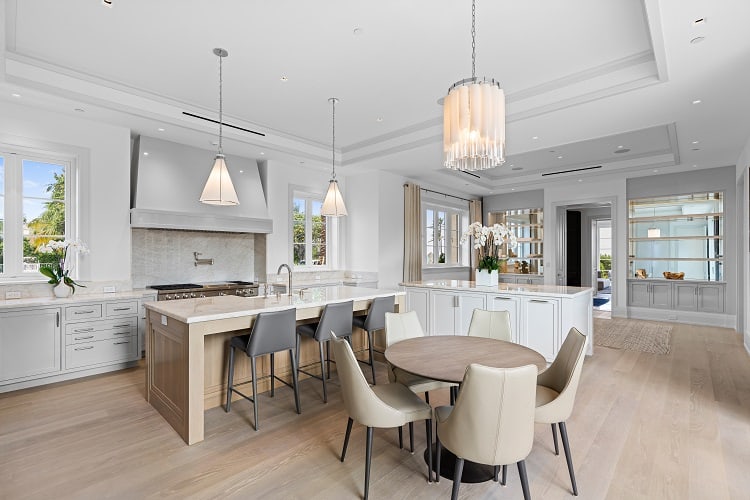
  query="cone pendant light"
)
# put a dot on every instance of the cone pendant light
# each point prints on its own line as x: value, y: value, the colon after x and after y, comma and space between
x: 219, y: 189
x: 333, y: 205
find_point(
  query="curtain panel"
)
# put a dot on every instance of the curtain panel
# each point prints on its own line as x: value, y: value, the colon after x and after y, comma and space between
x: 412, y: 233
x: 475, y: 215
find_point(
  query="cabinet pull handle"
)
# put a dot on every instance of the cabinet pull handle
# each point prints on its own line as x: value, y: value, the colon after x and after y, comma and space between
x: 539, y: 301
x: 84, y: 338
x: 83, y: 330
x: 123, y: 342
x: 503, y: 298
x: 84, y: 348
x: 57, y: 318
x: 122, y: 309
x: 83, y: 312
x: 121, y: 333
x: 122, y: 326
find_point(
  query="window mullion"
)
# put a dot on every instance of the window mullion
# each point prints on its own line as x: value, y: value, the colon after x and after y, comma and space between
x: 13, y: 234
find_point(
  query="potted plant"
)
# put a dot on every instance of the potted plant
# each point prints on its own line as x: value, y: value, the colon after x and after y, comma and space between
x: 59, y: 271
x: 487, y: 241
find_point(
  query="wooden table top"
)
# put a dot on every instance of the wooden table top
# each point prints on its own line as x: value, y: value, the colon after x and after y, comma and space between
x: 445, y: 357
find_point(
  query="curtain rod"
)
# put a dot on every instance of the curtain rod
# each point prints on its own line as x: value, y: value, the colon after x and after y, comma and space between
x: 444, y: 194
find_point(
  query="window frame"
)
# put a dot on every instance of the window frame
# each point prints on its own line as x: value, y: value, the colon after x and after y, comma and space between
x: 298, y: 192
x: 463, y: 222
x: 13, y: 198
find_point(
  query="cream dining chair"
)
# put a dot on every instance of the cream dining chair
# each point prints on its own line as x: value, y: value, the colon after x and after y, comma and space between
x: 556, y: 392
x: 491, y: 324
x: 382, y: 406
x: 492, y: 422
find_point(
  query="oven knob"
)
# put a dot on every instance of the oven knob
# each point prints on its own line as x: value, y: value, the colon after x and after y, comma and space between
x: 238, y: 292
x: 221, y: 294
x: 202, y: 295
x: 185, y: 296
x: 193, y: 295
x: 168, y: 297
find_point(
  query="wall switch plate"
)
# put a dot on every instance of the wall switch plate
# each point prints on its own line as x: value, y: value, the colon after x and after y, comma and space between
x: 12, y: 295
x: 163, y: 320
x: 108, y: 289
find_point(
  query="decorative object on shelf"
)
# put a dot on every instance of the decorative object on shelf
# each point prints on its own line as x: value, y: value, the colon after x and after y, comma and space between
x: 333, y: 204
x: 524, y: 267
x: 673, y: 276
x: 487, y: 241
x: 653, y: 232
x: 641, y: 274
x: 219, y: 189
x: 474, y: 119
x: 59, y: 271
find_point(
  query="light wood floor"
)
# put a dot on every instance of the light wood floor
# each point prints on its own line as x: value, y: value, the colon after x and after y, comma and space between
x: 644, y: 426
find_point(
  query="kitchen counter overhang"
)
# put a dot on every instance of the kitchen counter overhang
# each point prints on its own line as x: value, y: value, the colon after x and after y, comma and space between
x: 515, y: 289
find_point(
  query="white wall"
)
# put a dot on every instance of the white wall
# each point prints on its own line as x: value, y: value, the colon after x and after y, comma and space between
x: 103, y: 156
x: 743, y: 245
x: 588, y: 215
x: 362, y: 199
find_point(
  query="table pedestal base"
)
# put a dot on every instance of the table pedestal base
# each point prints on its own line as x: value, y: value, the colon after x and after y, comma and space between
x: 472, y: 473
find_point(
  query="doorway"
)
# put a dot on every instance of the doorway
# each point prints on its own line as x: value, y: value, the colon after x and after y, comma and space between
x: 601, y: 251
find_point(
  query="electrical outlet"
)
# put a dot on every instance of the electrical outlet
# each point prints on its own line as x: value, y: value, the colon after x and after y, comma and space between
x: 12, y: 295
x: 108, y: 289
x: 163, y: 320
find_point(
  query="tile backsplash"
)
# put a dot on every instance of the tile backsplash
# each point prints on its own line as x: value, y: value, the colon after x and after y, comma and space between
x: 166, y: 256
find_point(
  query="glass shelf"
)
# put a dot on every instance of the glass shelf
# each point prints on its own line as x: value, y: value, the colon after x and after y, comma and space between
x: 681, y: 233
x: 528, y: 226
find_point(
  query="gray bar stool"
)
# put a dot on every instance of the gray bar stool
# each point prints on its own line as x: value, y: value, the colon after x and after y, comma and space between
x: 271, y: 332
x: 375, y: 320
x: 336, y: 317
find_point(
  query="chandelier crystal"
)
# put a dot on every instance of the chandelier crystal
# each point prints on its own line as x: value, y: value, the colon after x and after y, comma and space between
x: 333, y: 204
x: 474, y: 119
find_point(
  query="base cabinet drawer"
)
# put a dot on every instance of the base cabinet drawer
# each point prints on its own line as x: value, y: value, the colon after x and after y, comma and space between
x: 103, y: 351
x: 113, y: 309
x: 79, y: 313
x: 94, y: 331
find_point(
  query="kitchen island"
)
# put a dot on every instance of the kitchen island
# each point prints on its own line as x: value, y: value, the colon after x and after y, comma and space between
x: 540, y: 315
x: 186, y: 347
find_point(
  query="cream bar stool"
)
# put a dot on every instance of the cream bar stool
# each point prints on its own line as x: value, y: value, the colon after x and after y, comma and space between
x: 336, y: 317
x: 375, y: 320
x: 271, y: 332
x: 491, y: 324
x: 492, y: 422
x: 556, y: 392
x: 382, y: 406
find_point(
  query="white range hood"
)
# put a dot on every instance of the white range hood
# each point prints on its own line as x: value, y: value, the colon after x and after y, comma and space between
x: 167, y: 179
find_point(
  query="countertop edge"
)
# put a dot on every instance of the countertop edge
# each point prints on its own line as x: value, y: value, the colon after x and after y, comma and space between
x: 566, y: 292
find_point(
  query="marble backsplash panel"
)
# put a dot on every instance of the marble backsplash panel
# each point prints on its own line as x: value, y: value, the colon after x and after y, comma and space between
x: 166, y: 256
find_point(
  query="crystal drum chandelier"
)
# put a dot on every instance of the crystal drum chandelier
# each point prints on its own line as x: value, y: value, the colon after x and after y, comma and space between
x: 333, y: 205
x: 219, y: 189
x: 474, y: 119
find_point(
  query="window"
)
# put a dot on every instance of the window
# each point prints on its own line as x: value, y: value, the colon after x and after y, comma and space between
x: 310, y: 240
x: 35, y: 207
x: 443, y: 227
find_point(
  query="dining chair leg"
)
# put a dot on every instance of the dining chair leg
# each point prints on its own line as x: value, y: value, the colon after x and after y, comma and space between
x: 368, y: 460
x: 505, y: 475
x: 457, y: 477
x: 272, y: 372
x: 346, y: 437
x: 427, y: 397
x: 428, y: 430
x: 230, y: 380
x: 496, y: 472
x: 568, y: 458
x: 323, y: 372
x: 524, y: 480
x: 372, y: 357
x: 400, y: 438
x: 453, y: 390
x: 438, y: 452
x: 255, y: 391
x: 411, y: 437
x: 295, y: 379
x: 554, y: 438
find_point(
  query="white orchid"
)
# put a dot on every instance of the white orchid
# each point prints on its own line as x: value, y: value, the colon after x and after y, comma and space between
x: 65, y: 251
x: 487, y: 240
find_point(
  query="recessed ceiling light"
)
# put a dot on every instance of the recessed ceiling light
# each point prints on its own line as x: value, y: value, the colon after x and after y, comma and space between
x: 697, y: 39
x: 242, y: 171
x: 302, y: 163
x: 695, y: 166
x: 214, y: 143
x: 699, y: 21
x: 517, y: 168
x: 580, y: 180
x: 79, y: 110
x: 621, y: 150
x: 696, y: 149
x: 160, y: 129
x: 262, y: 153
x: 107, y: 3
x: 145, y: 153
x: 284, y: 78
x: 535, y: 137
x: 696, y: 142
x: 357, y: 31
x: 16, y: 95
x: 697, y: 101
x: 379, y: 119
x: 656, y: 170
x: 512, y: 189
x: 559, y: 157
x: 620, y: 147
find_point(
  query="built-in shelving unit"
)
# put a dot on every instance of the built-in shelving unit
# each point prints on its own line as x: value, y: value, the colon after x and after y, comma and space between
x: 678, y: 233
x: 528, y: 226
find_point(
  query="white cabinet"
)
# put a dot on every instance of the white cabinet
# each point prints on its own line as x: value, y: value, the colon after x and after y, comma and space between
x: 418, y: 300
x: 661, y: 295
x: 450, y: 312
x: 142, y: 321
x: 541, y: 325
x: 29, y: 344
x: 510, y: 304
x: 521, y: 279
x: 710, y: 297
x: 703, y: 297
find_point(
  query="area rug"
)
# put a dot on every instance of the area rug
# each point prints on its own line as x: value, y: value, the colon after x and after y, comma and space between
x: 633, y: 335
x: 599, y: 301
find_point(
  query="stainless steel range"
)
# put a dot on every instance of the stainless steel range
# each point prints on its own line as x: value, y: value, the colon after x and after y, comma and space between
x: 197, y: 290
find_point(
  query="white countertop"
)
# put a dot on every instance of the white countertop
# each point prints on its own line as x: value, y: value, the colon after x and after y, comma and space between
x: 231, y: 306
x: 510, y: 288
x: 74, y: 299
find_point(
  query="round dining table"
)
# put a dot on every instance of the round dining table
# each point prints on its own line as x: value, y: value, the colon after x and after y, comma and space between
x: 445, y: 358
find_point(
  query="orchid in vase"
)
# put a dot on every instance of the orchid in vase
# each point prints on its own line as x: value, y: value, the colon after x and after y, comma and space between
x: 487, y: 241
x: 65, y: 252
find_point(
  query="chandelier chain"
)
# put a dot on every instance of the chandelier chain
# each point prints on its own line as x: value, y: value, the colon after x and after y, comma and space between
x: 221, y: 104
x: 473, y: 39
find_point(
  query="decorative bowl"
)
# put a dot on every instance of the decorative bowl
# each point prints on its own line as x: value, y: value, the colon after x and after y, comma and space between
x: 673, y: 276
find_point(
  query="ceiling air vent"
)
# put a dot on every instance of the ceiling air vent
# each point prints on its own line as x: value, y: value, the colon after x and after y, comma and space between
x: 572, y: 170
x: 193, y: 115
x: 470, y: 173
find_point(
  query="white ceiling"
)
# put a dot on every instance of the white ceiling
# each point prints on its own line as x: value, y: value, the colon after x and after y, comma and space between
x: 582, y: 78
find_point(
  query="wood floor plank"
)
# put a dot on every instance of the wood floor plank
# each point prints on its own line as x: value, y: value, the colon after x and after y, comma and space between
x: 647, y: 426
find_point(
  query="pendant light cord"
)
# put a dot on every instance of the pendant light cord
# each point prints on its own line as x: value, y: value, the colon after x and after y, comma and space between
x: 221, y: 105
x: 333, y: 135
x: 473, y: 39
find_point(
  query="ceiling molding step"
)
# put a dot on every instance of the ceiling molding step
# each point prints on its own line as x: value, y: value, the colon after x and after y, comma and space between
x: 652, y: 19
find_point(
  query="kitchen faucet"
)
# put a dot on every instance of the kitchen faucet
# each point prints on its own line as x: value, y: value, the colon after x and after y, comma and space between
x: 289, y: 269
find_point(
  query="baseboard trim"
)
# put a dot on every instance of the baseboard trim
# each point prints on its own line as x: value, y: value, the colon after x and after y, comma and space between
x: 69, y: 375
x: 687, y: 317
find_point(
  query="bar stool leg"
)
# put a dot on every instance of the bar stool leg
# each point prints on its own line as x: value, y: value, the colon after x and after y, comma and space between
x: 272, y: 372
x: 255, y: 391
x: 328, y: 358
x: 230, y: 380
x: 323, y: 372
x: 295, y: 379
